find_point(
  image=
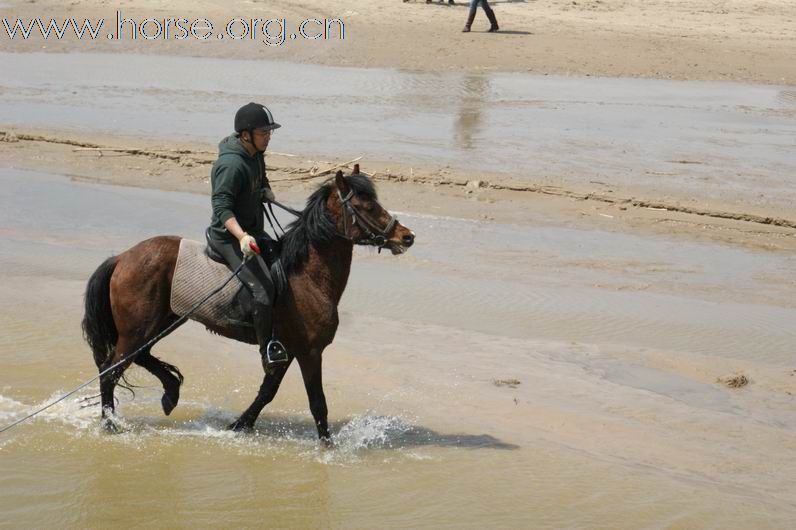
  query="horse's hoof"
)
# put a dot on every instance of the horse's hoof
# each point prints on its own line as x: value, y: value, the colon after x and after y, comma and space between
x: 110, y: 426
x: 326, y: 442
x: 169, y: 401
x: 240, y: 426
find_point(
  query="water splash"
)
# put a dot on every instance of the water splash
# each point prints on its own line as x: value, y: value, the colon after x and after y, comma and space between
x: 361, y: 438
x: 370, y: 431
x: 68, y: 412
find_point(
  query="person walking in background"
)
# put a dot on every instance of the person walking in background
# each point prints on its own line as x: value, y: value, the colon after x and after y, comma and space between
x: 489, y: 14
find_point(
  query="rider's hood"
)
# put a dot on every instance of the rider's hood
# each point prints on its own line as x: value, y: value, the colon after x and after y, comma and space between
x: 231, y: 145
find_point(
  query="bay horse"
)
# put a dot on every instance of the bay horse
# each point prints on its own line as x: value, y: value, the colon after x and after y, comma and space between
x: 127, y: 300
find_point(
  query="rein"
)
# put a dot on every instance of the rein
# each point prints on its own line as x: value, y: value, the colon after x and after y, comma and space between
x: 376, y: 236
x: 272, y: 217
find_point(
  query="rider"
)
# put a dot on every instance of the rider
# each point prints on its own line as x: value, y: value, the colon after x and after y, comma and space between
x: 239, y: 187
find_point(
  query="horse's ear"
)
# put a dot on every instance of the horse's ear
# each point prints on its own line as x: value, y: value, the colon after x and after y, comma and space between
x: 339, y: 180
x: 356, y: 169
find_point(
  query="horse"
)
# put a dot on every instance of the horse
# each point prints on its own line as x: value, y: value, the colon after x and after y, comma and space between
x: 127, y: 297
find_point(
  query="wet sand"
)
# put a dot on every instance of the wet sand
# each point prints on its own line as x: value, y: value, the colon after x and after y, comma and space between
x: 617, y: 420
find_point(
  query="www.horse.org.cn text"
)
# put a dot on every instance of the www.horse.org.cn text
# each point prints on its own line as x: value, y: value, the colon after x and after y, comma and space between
x: 268, y: 31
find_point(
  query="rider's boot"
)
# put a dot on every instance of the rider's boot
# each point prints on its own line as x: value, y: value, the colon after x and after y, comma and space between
x: 272, y: 351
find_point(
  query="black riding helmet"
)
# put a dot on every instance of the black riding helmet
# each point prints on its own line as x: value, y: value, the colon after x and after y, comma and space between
x: 254, y: 116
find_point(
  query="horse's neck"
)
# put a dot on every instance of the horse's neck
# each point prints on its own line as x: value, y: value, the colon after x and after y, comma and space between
x: 328, y: 268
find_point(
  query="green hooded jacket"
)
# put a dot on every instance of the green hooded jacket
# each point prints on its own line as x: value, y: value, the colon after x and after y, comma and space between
x: 236, y: 180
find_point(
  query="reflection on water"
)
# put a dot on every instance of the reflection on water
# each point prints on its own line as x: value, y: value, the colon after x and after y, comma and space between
x: 470, y: 108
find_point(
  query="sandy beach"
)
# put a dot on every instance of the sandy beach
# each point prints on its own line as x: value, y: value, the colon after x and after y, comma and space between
x: 594, y: 328
x: 740, y: 40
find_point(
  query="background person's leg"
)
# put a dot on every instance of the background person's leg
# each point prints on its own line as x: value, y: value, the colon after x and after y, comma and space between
x: 493, y: 25
x: 470, y: 15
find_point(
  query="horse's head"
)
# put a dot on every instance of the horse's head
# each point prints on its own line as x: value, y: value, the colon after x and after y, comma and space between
x: 361, y: 219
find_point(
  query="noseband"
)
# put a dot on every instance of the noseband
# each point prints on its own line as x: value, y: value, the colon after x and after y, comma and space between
x: 376, y: 236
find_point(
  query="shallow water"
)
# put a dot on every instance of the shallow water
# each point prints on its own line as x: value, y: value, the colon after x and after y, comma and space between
x: 617, y: 421
x: 706, y: 140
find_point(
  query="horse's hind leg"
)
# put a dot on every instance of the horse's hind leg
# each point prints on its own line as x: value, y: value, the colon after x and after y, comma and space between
x: 169, y: 376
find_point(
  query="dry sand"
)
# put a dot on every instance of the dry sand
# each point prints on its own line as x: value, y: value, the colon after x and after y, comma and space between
x: 744, y: 40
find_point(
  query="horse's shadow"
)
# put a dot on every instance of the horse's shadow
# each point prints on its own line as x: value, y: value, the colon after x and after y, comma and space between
x: 423, y: 437
x: 376, y: 431
x: 358, y: 432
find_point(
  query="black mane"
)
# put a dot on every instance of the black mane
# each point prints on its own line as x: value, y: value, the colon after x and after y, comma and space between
x: 316, y: 226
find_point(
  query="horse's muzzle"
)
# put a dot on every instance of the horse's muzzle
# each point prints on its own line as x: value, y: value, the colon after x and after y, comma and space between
x: 399, y: 246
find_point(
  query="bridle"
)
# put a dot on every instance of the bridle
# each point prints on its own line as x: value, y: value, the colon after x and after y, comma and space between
x: 376, y: 236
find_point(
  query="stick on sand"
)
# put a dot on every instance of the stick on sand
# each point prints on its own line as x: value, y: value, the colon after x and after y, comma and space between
x: 338, y: 166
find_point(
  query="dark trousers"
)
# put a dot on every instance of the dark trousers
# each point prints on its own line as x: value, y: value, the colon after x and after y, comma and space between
x: 254, y: 275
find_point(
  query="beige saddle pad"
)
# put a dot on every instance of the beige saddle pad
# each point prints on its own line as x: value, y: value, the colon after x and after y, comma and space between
x: 195, y: 277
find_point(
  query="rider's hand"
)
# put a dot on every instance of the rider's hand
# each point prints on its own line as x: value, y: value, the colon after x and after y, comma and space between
x: 248, y: 245
x: 267, y: 195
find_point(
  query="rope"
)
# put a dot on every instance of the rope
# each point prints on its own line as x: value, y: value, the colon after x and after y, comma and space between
x: 130, y: 357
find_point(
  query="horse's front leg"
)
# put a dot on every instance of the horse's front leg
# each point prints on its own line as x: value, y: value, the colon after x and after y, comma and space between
x: 268, y: 390
x: 313, y: 381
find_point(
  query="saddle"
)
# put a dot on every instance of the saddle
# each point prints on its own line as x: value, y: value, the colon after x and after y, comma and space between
x: 270, y: 252
x: 200, y: 270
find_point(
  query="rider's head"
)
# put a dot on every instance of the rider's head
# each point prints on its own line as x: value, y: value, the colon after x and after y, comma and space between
x: 254, y: 123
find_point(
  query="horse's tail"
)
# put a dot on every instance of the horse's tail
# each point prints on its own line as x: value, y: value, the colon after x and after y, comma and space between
x: 99, y: 330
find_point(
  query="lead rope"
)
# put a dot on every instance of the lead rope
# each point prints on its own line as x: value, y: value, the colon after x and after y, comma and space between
x: 130, y: 357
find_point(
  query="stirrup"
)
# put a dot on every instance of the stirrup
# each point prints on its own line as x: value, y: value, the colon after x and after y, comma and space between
x: 275, y: 352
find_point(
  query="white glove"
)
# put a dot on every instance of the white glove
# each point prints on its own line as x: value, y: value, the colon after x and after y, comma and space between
x: 267, y: 195
x: 248, y: 245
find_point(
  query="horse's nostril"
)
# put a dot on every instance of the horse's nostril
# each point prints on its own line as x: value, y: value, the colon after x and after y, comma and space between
x: 408, y: 240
